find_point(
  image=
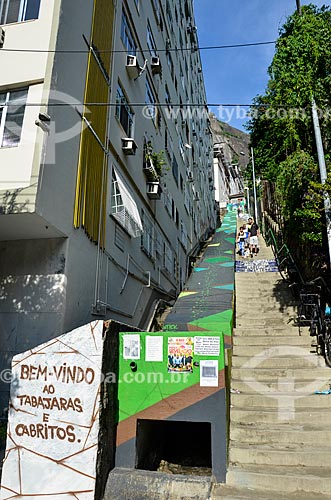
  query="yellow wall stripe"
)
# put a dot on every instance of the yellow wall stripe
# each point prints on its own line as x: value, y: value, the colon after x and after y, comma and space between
x: 91, y: 183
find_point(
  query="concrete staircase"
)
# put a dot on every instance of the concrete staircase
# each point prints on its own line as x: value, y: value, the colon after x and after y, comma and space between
x: 280, y: 431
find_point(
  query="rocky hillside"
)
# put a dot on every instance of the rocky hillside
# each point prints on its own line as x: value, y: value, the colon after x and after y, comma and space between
x: 234, y: 142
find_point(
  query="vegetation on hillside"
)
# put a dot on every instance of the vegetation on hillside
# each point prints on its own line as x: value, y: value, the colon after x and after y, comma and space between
x: 281, y: 124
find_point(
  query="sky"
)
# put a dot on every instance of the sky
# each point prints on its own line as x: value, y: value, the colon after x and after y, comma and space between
x: 237, y: 75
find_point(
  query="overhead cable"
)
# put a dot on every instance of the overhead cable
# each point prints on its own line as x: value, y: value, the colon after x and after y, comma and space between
x: 176, y: 49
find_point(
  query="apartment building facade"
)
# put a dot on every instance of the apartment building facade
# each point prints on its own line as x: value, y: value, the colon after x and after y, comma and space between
x: 106, y: 178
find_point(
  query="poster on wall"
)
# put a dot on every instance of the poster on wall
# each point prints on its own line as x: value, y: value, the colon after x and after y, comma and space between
x: 180, y: 354
x: 209, y: 373
x: 154, y: 348
x: 131, y: 346
x: 207, y: 346
x: 52, y: 435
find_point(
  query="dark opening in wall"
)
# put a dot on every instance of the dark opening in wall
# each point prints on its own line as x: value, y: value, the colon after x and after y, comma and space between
x: 187, y: 444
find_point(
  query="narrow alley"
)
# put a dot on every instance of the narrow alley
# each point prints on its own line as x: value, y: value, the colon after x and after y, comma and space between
x: 279, y: 444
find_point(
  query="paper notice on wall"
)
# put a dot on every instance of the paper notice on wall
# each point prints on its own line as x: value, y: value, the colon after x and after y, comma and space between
x: 131, y: 346
x: 209, y: 373
x: 154, y: 348
x: 207, y: 346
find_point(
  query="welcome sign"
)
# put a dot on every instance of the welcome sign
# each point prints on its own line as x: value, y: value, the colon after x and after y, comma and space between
x: 54, y: 418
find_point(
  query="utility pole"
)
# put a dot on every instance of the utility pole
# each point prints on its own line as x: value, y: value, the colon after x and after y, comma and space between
x: 323, y: 173
x: 299, y: 7
x: 254, y: 185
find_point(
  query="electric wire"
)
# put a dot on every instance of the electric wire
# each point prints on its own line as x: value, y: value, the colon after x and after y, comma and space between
x: 114, y: 51
x: 147, y: 105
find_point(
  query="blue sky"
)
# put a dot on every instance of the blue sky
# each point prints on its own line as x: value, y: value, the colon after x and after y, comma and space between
x: 237, y: 75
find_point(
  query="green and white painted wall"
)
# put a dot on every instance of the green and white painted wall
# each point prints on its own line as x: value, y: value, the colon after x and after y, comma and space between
x: 178, y: 374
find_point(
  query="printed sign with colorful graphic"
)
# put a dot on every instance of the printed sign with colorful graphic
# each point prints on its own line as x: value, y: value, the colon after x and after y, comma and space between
x: 180, y: 354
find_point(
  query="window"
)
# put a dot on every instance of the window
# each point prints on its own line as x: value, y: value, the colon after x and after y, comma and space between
x: 175, y: 168
x: 150, y: 101
x: 167, y: 97
x: 183, y: 235
x: 123, y: 112
x: 150, y: 41
x: 169, y: 15
x: 167, y: 200
x: 127, y: 36
x: 12, y: 106
x: 168, y: 258
x: 147, y: 237
x: 123, y: 207
x: 156, y: 7
x: 170, y: 63
x: 13, y: 11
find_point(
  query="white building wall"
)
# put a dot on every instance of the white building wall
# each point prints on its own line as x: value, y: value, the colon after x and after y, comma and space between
x: 24, y: 68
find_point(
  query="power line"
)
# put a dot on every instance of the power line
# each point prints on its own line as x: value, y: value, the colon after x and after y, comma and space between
x: 176, y: 49
x: 148, y: 105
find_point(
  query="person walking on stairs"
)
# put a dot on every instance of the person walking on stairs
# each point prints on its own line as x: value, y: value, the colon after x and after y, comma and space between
x: 254, y: 233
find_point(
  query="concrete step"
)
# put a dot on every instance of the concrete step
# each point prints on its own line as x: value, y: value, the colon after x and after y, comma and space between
x: 279, y: 330
x: 284, y: 385
x: 262, y: 322
x: 301, y: 397
x: 303, y: 435
x: 245, y: 318
x: 291, y: 338
x: 135, y: 484
x: 272, y: 358
x: 290, y: 455
x: 308, y: 483
x: 322, y: 374
x: 263, y: 415
x: 254, y: 350
x: 225, y: 492
x: 262, y: 277
x: 268, y: 310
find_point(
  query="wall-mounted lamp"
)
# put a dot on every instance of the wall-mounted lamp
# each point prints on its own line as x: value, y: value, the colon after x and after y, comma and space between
x: 43, y: 122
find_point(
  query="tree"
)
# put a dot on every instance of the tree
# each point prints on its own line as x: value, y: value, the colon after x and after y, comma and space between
x: 281, y: 124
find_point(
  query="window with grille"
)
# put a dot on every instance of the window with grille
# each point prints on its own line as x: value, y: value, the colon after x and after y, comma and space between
x: 12, y: 108
x: 13, y: 11
x: 123, y: 206
x: 123, y: 112
x: 127, y: 35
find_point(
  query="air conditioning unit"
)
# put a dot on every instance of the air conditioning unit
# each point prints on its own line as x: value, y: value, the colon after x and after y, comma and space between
x: 156, y: 65
x: 129, y: 146
x: 190, y: 177
x: 132, y: 66
x: 2, y: 37
x: 154, y: 190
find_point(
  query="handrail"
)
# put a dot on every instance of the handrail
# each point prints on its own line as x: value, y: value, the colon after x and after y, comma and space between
x: 282, y: 254
x: 271, y: 239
